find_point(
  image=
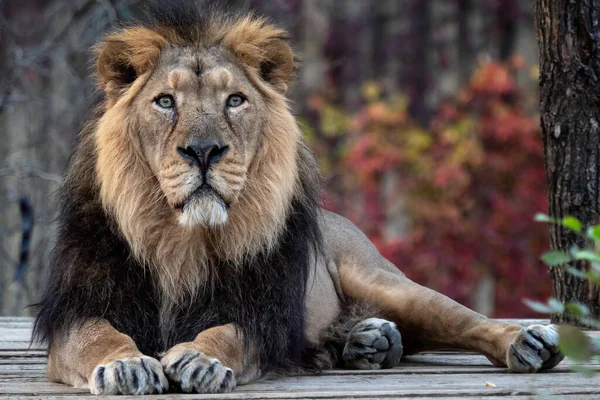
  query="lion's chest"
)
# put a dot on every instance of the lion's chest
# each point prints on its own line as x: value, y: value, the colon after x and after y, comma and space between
x: 265, y: 299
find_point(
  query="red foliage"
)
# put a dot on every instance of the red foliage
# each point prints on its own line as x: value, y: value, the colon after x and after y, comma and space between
x: 453, y: 203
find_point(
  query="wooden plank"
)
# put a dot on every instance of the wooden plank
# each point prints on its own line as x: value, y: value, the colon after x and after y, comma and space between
x: 16, y: 322
x: 377, y: 394
x: 19, y: 334
x: 417, y: 364
x: 20, y: 345
x: 525, y: 322
x: 424, y: 362
x: 6, y: 320
x: 16, y: 360
x: 40, y: 369
x: 450, y: 375
x: 45, y: 390
x: 427, y: 363
x: 22, y: 353
x: 12, y: 369
x: 19, y: 337
x: 435, y: 384
x: 442, y: 361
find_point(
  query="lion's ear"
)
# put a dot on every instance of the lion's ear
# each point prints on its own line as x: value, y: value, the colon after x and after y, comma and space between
x: 125, y: 55
x: 278, y: 66
x: 265, y: 48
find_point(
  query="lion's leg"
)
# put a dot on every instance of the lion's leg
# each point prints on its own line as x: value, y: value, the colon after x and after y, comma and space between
x: 426, y: 319
x: 212, y: 363
x: 429, y: 320
x: 97, y: 356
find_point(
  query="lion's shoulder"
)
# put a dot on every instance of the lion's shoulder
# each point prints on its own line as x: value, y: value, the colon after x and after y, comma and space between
x: 344, y: 242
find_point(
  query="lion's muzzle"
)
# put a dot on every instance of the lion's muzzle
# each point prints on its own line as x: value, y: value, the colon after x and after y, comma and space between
x: 204, y: 206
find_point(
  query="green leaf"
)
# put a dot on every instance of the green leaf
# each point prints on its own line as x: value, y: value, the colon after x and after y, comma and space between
x: 593, y: 276
x: 539, y: 217
x: 572, y: 223
x: 556, y: 306
x: 587, y: 372
x: 576, y: 273
x: 578, y: 309
x: 555, y: 257
x: 538, y: 307
x: 588, y: 255
x: 593, y: 232
x: 552, y: 307
x: 573, y: 343
x: 590, y: 322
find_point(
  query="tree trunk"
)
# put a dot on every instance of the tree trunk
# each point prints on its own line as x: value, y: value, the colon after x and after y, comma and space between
x: 569, y: 43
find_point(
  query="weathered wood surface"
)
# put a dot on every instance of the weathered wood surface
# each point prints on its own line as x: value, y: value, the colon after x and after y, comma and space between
x: 449, y: 375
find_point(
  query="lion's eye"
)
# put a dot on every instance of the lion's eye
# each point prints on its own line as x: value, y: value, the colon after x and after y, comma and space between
x: 235, y: 100
x: 165, y: 101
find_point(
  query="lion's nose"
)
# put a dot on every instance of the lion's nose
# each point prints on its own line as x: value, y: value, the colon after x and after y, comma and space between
x: 204, y: 154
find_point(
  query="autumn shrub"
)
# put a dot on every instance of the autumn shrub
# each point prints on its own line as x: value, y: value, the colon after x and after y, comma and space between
x: 450, y: 203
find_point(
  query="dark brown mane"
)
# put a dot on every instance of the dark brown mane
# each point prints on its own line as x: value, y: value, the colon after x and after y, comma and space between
x: 95, y: 270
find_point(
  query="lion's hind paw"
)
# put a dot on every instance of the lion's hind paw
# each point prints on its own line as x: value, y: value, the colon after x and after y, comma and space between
x: 373, y: 344
x: 535, y: 348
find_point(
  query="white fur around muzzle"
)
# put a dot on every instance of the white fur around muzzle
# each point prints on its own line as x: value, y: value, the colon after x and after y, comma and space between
x: 207, y: 210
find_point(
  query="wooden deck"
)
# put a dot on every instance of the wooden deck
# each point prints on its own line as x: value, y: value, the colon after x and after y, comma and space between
x: 450, y: 376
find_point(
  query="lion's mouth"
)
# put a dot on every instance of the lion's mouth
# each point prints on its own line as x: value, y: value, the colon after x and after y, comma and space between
x: 204, y: 190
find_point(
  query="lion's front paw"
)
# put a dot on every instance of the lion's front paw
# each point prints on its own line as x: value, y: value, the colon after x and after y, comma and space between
x: 535, y: 348
x: 134, y: 376
x: 372, y: 344
x: 193, y: 371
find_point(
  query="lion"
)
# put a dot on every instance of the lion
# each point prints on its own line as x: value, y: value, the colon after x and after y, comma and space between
x: 192, y: 253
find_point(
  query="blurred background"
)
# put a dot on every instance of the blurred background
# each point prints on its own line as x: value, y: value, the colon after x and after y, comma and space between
x: 423, y: 114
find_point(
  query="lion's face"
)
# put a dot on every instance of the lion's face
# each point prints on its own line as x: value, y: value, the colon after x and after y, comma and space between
x: 199, y: 124
x: 197, y: 152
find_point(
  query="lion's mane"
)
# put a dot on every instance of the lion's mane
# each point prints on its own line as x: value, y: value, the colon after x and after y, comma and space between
x: 120, y: 257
